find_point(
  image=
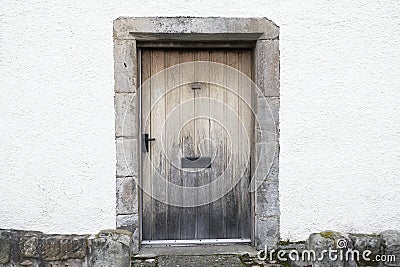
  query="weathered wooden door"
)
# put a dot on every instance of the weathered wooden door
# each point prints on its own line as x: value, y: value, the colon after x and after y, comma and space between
x: 188, y: 135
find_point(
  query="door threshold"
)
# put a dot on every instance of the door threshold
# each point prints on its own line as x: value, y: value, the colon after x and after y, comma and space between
x: 192, y: 242
x: 197, y: 250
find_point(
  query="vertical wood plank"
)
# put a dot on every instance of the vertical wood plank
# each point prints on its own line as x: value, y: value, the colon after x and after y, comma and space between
x: 147, y: 202
x: 188, y: 218
x: 247, y: 118
x: 157, y: 157
x: 202, y: 142
x: 173, y: 143
x: 217, y: 134
x: 232, y: 198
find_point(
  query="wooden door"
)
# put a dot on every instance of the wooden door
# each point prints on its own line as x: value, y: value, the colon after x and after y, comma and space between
x: 181, y: 125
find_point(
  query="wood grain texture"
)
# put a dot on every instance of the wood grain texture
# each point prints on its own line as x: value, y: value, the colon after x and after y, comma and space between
x: 157, y: 158
x: 174, y: 175
x: 202, y: 142
x: 228, y: 216
x: 233, y: 209
x: 246, y: 116
x: 147, y: 202
x: 188, y: 218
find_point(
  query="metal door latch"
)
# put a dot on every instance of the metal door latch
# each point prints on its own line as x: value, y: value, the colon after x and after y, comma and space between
x: 146, y: 139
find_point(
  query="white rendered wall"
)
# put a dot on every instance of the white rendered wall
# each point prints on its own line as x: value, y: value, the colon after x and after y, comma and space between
x: 340, y: 111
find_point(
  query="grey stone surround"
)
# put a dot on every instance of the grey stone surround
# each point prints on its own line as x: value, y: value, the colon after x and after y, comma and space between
x: 128, y: 32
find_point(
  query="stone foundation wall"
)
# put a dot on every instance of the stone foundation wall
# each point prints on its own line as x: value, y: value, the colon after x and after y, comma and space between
x: 36, y: 249
x: 114, y: 248
x: 385, y: 244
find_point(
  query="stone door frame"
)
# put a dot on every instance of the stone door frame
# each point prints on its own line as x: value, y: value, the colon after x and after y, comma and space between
x: 129, y: 34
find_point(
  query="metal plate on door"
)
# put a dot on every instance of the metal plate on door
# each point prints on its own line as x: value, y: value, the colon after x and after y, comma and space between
x: 196, y: 86
x: 196, y: 162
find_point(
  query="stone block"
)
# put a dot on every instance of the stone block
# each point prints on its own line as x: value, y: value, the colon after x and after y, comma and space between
x: 60, y: 247
x: 267, y: 200
x: 268, y: 67
x: 110, y: 248
x: 391, y: 246
x: 127, y: 198
x: 5, y: 246
x: 128, y: 222
x: 363, y: 242
x: 126, y: 112
x: 196, y: 28
x: 266, y: 232
x: 267, y: 115
x: 320, y: 243
x: 29, y: 244
x: 64, y: 263
x: 266, y: 163
x: 125, y: 71
x: 135, y: 242
x: 127, y: 157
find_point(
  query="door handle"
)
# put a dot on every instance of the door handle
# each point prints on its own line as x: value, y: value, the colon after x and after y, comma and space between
x: 146, y: 139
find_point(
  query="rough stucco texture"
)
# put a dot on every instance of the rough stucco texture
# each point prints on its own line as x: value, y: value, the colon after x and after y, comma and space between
x: 340, y: 123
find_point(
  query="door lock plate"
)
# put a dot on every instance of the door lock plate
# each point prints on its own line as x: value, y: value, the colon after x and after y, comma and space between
x: 196, y: 162
x: 196, y: 86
